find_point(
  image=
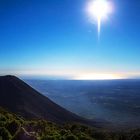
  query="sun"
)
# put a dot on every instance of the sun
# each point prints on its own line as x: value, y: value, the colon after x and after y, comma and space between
x: 99, y: 10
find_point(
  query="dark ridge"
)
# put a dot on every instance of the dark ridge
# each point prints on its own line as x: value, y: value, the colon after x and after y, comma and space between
x: 20, y: 98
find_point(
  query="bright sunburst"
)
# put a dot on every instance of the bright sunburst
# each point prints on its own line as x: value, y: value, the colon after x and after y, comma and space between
x: 99, y: 10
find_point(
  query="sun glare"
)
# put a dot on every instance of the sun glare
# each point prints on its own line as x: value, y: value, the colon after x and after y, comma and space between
x: 97, y: 77
x: 99, y: 10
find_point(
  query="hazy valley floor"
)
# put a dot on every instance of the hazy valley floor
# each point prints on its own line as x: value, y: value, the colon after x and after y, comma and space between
x: 115, y: 101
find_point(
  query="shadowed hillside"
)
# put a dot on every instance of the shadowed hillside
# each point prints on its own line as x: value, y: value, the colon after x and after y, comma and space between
x: 13, y: 127
x: 20, y: 98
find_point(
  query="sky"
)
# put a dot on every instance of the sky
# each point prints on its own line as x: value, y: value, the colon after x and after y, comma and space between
x: 55, y: 38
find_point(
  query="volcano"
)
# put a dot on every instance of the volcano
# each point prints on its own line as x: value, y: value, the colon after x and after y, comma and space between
x: 20, y: 98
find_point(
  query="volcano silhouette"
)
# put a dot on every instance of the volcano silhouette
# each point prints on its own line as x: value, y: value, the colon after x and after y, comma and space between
x: 20, y: 98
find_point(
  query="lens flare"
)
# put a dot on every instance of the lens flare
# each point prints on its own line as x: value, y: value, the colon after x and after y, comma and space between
x: 98, y: 10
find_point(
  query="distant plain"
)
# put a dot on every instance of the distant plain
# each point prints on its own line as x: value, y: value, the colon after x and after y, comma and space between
x: 115, y: 101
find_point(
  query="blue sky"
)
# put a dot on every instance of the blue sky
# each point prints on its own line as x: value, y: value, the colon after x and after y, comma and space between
x: 55, y: 37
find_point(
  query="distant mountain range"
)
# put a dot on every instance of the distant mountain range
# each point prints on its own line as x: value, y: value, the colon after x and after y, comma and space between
x: 18, y: 97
